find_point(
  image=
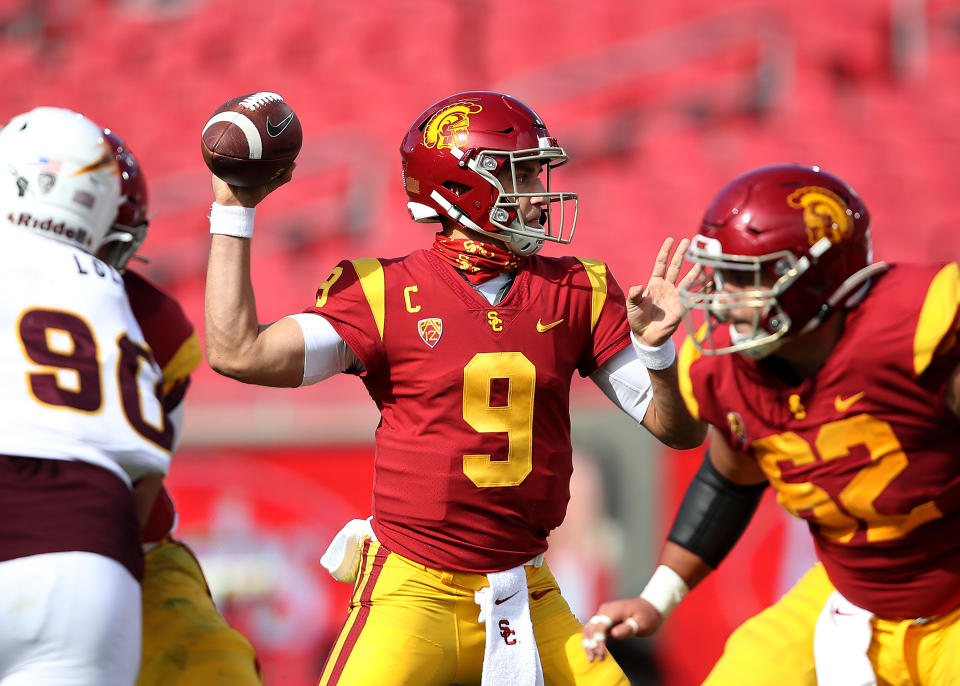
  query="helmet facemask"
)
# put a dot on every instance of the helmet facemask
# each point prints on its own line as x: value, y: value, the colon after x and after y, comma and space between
x: 121, y: 244
x: 758, y: 283
x: 505, y: 213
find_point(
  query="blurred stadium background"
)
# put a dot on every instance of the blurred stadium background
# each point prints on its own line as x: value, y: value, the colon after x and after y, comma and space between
x: 658, y: 104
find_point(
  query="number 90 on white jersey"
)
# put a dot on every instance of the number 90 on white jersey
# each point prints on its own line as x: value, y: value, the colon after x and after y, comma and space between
x: 77, y: 380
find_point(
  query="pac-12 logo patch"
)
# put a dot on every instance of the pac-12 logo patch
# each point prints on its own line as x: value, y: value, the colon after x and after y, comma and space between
x: 430, y: 330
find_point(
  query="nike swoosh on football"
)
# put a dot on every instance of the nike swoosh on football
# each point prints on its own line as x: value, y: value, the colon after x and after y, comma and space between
x: 842, y: 405
x: 537, y: 595
x: 503, y: 600
x: 541, y: 327
x: 274, y: 130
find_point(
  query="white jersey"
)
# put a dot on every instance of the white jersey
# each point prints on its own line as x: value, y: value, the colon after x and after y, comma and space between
x: 77, y: 380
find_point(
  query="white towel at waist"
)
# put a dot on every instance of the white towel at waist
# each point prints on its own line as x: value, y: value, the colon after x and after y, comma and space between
x: 342, y: 556
x: 840, y: 641
x: 510, y: 657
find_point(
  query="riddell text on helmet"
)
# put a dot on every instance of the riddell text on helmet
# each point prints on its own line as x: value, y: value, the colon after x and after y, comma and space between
x: 78, y: 235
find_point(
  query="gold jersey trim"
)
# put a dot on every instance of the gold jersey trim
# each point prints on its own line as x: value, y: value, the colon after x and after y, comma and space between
x: 597, y: 273
x: 187, y: 358
x: 370, y: 272
x: 688, y: 355
x: 936, y: 316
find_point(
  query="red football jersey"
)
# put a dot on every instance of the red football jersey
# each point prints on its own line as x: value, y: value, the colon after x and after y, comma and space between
x: 176, y: 349
x: 866, y: 450
x: 473, y: 455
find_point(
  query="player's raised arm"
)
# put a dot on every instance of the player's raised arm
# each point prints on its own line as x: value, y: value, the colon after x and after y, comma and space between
x: 250, y: 143
x: 237, y: 346
x: 654, y: 311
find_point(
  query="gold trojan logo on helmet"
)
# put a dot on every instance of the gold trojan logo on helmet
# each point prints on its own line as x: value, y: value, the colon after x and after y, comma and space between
x: 824, y: 213
x: 449, y: 127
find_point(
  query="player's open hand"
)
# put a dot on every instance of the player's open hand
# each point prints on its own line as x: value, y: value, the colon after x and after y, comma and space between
x: 618, y: 619
x: 655, y: 310
x: 226, y: 194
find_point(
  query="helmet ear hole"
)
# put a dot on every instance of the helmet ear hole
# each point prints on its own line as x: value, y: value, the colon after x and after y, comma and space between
x: 458, y: 189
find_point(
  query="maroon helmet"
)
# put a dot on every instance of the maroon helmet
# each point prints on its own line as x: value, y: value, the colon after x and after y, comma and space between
x: 794, y: 241
x: 453, y: 153
x: 129, y: 229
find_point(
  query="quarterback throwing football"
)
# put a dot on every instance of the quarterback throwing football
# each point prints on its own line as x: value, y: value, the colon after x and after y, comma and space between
x: 468, y: 348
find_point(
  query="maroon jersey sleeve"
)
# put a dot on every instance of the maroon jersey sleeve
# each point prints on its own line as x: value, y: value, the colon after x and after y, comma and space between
x: 352, y: 299
x: 608, y: 319
x: 168, y: 332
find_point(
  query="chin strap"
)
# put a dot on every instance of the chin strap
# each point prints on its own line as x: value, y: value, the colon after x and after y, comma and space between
x: 850, y: 293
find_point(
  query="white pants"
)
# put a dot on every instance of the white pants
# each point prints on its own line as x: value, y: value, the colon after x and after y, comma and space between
x: 68, y: 619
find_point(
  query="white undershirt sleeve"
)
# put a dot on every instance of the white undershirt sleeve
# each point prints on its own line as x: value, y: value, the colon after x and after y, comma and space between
x: 625, y: 380
x: 325, y: 353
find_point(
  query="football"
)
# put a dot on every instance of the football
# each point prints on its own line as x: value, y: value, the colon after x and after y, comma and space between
x: 251, y: 139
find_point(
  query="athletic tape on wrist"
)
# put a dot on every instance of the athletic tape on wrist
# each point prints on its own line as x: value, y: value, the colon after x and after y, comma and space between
x: 232, y: 220
x: 655, y: 357
x: 665, y: 590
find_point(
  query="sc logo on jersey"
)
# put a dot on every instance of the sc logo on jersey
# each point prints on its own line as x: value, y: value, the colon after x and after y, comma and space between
x: 449, y: 128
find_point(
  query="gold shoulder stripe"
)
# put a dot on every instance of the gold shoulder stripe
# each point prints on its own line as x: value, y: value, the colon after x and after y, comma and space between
x: 370, y: 272
x: 936, y: 316
x: 187, y: 358
x: 597, y: 273
x: 688, y: 355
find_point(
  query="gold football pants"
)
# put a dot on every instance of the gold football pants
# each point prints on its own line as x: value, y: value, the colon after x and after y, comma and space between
x: 776, y: 646
x: 411, y: 624
x: 186, y: 642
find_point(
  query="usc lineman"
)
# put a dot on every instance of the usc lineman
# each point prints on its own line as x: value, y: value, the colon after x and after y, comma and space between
x: 836, y: 380
x: 468, y: 349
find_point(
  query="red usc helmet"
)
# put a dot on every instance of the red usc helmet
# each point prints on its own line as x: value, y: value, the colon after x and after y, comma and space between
x: 789, y: 242
x: 453, y: 153
x: 129, y: 229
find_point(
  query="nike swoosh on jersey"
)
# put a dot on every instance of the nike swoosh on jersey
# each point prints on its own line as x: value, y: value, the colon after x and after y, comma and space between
x: 844, y: 404
x: 274, y: 130
x: 503, y: 600
x: 537, y: 595
x: 541, y: 327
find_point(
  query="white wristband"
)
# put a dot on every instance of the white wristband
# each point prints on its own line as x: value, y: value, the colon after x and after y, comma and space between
x: 232, y: 220
x: 665, y: 590
x: 655, y: 357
